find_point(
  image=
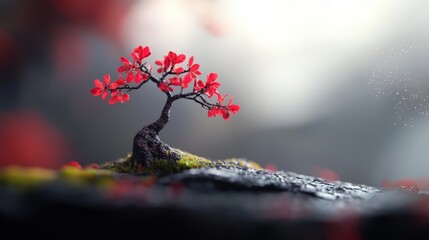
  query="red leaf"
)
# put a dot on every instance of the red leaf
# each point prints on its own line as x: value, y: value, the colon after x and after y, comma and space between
x: 120, y: 82
x: 129, y: 77
x: 194, y: 69
x: 134, y: 56
x: 199, y: 85
x: 180, y: 58
x: 212, y: 113
x: 175, y: 81
x: 139, y: 78
x: 125, y: 61
x: 186, y: 80
x: 124, y: 68
x: 98, y: 83
x: 225, y: 114
x: 221, y: 98
x: 113, y: 86
x: 191, y: 61
x: 234, y: 108
x: 104, y: 95
x: 125, y: 97
x: 145, y: 52
x: 172, y: 56
x: 96, y: 91
x: 164, y: 87
x: 113, y: 99
x: 106, y: 79
x: 211, y: 78
x: 178, y: 70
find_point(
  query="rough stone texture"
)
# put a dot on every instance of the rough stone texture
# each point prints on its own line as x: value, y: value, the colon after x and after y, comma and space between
x: 216, y: 203
x: 235, y: 178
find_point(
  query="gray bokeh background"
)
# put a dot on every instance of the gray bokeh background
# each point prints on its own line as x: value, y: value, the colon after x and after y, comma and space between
x: 322, y: 84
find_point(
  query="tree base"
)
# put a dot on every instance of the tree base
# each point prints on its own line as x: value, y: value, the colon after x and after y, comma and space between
x: 148, y: 146
x: 162, y: 167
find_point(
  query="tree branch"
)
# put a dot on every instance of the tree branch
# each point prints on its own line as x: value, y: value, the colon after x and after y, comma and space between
x: 128, y: 87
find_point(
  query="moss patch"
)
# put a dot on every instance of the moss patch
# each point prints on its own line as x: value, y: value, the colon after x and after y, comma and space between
x: 28, y: 177
x: 164, y: 167
x: 24, y: 177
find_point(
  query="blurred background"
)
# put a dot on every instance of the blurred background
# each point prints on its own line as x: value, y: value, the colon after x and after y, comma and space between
x: 325, y: 86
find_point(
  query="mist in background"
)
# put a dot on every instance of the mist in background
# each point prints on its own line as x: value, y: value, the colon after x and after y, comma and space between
x: 332, y: 84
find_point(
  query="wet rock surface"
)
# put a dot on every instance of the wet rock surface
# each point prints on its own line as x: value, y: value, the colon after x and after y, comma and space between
x: 215, y: 203
x: 247, y: 179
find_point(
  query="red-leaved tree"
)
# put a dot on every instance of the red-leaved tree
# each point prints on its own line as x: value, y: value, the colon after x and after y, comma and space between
x: 177, y: 82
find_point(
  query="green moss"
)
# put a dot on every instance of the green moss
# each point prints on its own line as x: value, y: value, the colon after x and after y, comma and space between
x: 26, y: 177
x: 84, y: 176
x: 165, y: 167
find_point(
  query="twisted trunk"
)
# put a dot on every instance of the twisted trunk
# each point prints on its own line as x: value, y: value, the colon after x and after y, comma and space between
x: 147, y: 145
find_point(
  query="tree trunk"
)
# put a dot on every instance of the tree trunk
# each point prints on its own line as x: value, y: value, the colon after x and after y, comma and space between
x: 147, y: 144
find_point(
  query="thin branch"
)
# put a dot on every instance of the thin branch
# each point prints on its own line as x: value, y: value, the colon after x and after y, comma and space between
x: 203, y: 105
x: 189, y: 94
x: 128, y: 87
x: 203, y: 102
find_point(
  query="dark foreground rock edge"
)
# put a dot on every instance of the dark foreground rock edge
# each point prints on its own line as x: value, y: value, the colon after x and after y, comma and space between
x: 217, y: 203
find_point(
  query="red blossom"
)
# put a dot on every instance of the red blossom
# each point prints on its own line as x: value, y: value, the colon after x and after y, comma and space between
x: 211, y: 85
x: 225, y: 114
x: 130, y: 76
x: 178, y: 70
x: 175, y: 81
x: 140, y: 53
x: 193, y: 68
x: 103, y: 88
x: 127, y: 65
x: 119, y: 97
x: 165, y: 88
x: 221, y: 110
x: 198, y: 85
x: 186, y: 80
x: 213, y: 112
x: 171, y: 60
x: 140, y: 77
x: 120, y: 81
x: 161, y: 65
x: 176, y: 59
x: 234, y: 108
x: 137, y: 72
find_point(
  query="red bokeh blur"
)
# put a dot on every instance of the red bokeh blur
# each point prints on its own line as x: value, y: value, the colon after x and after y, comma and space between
x: 27, y: 139
x: 326, y: 173
x: 346, y: 228
x: 417, y: 184
x: 271, y: 167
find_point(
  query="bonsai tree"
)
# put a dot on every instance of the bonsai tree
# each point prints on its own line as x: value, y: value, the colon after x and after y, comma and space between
x: 176, y: 82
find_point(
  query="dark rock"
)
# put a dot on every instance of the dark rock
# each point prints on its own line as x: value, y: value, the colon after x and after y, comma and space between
x: 216, y: 203
x: 247, y: 179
